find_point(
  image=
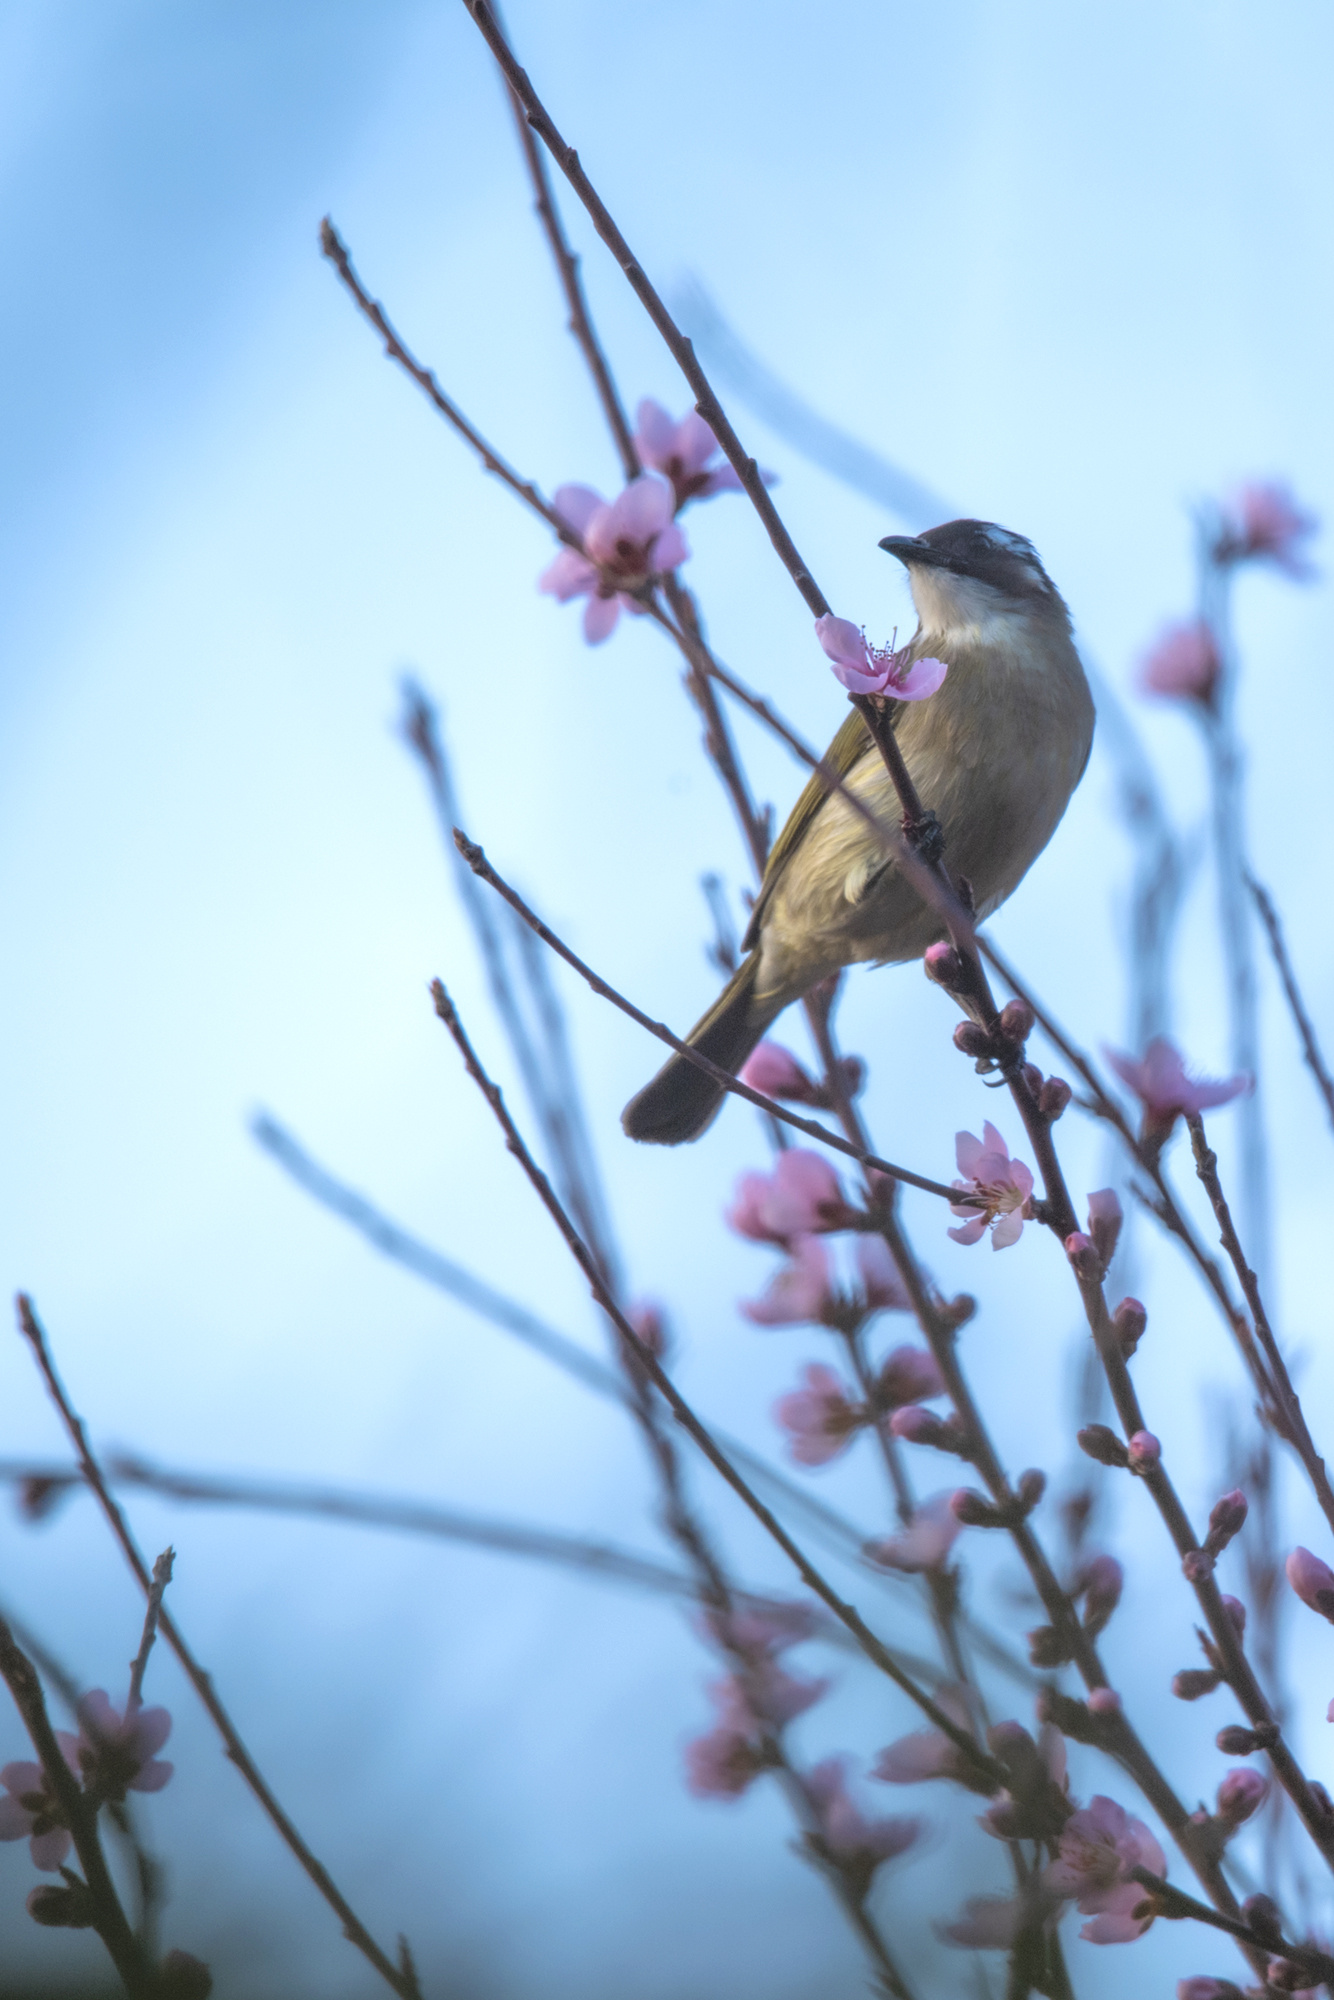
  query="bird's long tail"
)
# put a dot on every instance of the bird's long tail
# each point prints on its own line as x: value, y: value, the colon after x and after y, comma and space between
x: 681, y: 1100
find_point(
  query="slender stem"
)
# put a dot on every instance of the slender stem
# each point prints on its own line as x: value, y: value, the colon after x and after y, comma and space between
x: 354, y: 1930
x: 1310, y: 1046
x: 706, y: 402
x: 1293, y: 1417
x: 109, y: 1919
x: 335, y: 250
x: 477, y: 860
x: 567, y: 270
x: 1177, y: 1904
x: 162, y: 1569
x: 685, y: 1415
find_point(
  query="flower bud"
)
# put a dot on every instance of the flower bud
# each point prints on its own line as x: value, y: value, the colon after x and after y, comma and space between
x: 1101, y: 1584
x: 1234, y: 1741
x: 1016, y: 1022
x: 1225, y: 1521
x: 918, y: 1426
x: 1236, y: 1611
x: 1129, y: 1320
x: 1105, y: 1701
x: 1203, y: 1988
x: 1262, y: 1914
x: 1032, y: 1076
x: 1080, y: 1723
x: 973, y: 1511
x: 1143, y: 1452
x: 957, y: 1312
x: 970, y: 1040
x: 648, y: 1322
x: 1104, y: 1224
x: 68, y: 1908
x: 1083, y: 1257
x: 946, y: 966
x: 1029, y: 1489
x: 1103, y: 1444
x: 1192, y: 1682
x: 183, y: 1977
x: 1197, y: 1565
x: 1053, y: 1097
x: 1241, y: 1793
x: 1313, y: 1581
x: 1283, y: 1975
x: 1047, y: 1647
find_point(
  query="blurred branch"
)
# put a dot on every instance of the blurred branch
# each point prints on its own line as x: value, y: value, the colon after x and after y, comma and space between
x: 402, y: 1980
x: 477, y: 861
x: 540, y: 1043
x: 1310, y: 1046
x: 681, y: 1410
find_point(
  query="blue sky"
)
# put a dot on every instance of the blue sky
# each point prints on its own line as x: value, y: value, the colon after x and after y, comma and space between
x: 1072, y: 269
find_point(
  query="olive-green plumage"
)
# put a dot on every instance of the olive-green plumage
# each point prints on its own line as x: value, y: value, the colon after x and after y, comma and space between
x: 996, y: 753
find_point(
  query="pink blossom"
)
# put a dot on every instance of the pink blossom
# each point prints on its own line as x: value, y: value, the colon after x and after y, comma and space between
x: 801, y: 1197
x: 1262, y: 519
x: 882, y: 1281
x: 769, y: 1696
x: 908, y: 1375
x: 1160, y: 1082
x: 988, y: 1923
x: 822, y: 1419
x: 1105, y: 1701
x: 1143, y: 1451
x: 776, y: 1071
x: 762, y: 1628
x: 867, y: 669
x: 926, y: 1753
x: 1099, y: 1844
x: 926, y: 1542
x: 722, y: 1763
x: 681, y: 453
x: 800, y: 1294
x: 847, y: 1831
x: 1183, y: 662
x: 29, y: 1811
x: 1004, y: 1185
x: 626, y: 542
x: 117, y: 1752
x: 1313, y: 1581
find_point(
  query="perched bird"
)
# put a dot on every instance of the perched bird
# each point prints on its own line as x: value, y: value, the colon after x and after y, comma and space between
x: 995, y: 753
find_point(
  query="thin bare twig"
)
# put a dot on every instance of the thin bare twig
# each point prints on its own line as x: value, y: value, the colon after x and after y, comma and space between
x: 353, y: 1928
x: 685, y: 1415
x: 1294, y: 1425
x: 477, y: 860
x: 162, y: 1569
x: 1264, y: 903
x: 680, y: 348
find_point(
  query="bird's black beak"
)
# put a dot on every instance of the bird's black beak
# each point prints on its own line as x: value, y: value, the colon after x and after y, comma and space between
x: 911, y: 549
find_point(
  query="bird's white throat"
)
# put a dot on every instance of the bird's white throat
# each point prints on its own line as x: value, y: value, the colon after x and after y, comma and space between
x: 962, y: 611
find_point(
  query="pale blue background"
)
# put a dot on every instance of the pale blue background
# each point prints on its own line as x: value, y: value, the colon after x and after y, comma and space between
x: 1071, y: 267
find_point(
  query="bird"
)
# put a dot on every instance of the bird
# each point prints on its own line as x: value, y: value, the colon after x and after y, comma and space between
x: 996, y: 753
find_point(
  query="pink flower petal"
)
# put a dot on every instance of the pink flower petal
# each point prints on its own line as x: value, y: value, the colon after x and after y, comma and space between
x: 655, y: 435
x: 800, y: 1291
x: 1008, y: 1230
x: 842, y: 641
x: 921, y: 680
x: 49, y: 1849
x: 969, y: 1152
x: 568, y: 575
x: 971, y: 1232
x: 775, y: 1071
x: 577, y: 505
x: 695, y: 443
x: 152, y: 1776
x: 725, y: 479
x: 15, y: 1820
x: 881, y: 1277
x: 22, y: 1776
x: 600, y: 616
x: 668, y: 549
x: 640, y: 511
x: 149, y: 1731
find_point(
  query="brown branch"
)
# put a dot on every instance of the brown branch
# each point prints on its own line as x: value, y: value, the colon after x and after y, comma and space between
x: 162, y: 1569
x: 107, y: 1917
x: 847, y: 1615
x: 1310, y: 1046
x: 478, y: 862
x: 683, y: 353
x: 403, y: 1982
x: 335, y: 250
x: 1293, y: 1418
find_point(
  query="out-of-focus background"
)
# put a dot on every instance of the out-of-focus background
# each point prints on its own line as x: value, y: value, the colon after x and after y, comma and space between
x: 1068, y: 267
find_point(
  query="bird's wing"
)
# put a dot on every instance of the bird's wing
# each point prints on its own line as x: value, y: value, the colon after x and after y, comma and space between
x: 852, y: 742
